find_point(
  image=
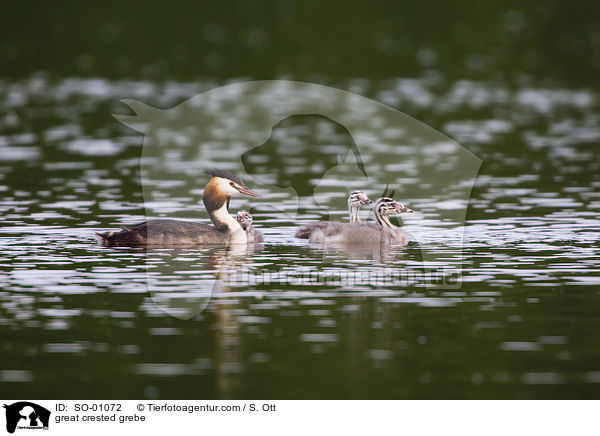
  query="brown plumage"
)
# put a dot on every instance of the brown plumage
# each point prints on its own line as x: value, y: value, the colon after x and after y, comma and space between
x: 165, y: 232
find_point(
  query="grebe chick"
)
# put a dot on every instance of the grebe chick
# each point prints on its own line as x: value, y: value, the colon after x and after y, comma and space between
x: 355, y: 201
x: 167, y: 232
x: 380, y: 232
x: 245, y: 219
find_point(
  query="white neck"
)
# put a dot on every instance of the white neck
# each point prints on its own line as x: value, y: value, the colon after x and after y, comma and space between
x: 353, y: 210
x: 222, y: 220
x: 239, y: 236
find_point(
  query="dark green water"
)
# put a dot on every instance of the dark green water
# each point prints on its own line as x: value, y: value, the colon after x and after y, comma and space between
x: 517, y: 87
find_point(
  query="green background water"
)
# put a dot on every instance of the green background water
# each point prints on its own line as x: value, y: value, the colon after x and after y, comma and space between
x: 516, y: 84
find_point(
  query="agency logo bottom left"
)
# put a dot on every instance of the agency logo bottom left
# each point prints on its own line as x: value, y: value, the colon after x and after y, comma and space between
x: 26, y: 415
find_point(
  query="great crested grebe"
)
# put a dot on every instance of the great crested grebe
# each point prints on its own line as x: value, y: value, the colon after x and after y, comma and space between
x: 382, y: 231
x: 355, y: 201
x: 245, y: 219
x: 227, y: 230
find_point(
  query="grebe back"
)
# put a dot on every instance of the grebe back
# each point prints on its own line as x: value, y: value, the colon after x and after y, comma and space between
x: 356, y: 200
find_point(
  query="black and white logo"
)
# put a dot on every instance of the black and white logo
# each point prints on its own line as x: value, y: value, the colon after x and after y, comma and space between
x: 26, y: 415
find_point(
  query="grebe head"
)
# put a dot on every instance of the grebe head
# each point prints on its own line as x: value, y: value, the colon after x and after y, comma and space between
x: 385, y: 207
x: 229, y: 184
x: 355, y: 201
x: 221, y: 187
x: 219, y: 190
x: 244, y: 218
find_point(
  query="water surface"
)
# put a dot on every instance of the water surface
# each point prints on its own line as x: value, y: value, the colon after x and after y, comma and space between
x: 76, y: 319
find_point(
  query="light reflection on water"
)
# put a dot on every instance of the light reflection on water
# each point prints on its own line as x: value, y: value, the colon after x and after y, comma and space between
x: 523, y: 324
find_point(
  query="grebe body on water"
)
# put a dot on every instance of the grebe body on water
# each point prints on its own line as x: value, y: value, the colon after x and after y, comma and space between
x: 356, y: 200
x: 382, y: 231
x: 168, y: 232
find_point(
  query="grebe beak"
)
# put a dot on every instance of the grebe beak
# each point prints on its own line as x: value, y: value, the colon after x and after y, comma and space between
x: 248, y: 192
x: 403, y: 209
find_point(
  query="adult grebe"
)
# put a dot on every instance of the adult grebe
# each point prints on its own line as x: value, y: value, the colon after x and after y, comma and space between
x: 245, y: 219
x: 219, y: 190
x: 381, y: 232
x: 355, y: 201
